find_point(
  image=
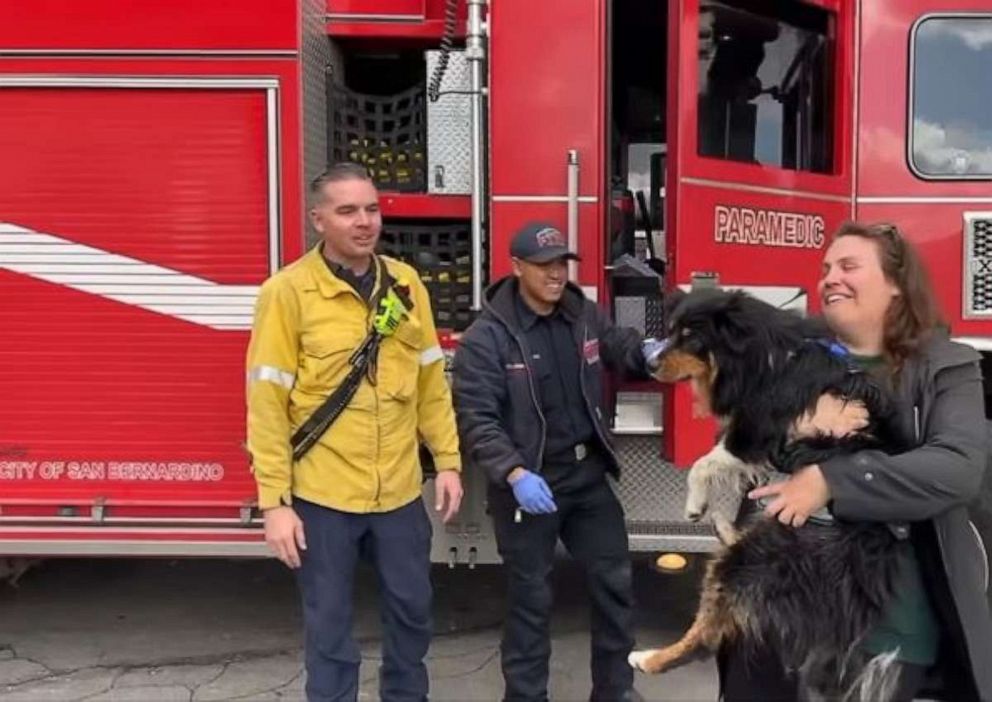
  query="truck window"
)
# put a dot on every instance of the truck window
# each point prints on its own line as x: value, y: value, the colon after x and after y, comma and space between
x: 765, y: 87
x: 951, y: 132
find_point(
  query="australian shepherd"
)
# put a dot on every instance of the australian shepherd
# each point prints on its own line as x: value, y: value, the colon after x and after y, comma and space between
x: 811, y: 593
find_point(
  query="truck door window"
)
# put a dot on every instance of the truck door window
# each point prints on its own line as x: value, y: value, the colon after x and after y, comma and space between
x: 951, y: 132
x: 765, y: 88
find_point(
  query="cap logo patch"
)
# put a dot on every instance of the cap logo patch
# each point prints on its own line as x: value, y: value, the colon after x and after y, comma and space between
x: 549, y: 237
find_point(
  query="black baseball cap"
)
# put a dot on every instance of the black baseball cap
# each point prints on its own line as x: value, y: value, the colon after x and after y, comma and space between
x: 540, y: 242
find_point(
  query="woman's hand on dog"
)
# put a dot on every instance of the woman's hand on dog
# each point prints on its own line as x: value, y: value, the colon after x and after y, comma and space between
x: 795, y: 499
x: 832, y: 416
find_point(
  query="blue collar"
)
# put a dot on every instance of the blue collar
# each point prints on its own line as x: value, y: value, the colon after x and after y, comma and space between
x: 835, y: 348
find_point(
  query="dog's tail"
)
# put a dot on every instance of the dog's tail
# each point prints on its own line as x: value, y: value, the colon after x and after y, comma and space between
x: 877, y: 680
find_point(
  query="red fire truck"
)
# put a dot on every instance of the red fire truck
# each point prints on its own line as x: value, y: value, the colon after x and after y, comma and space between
x: 155, y: 157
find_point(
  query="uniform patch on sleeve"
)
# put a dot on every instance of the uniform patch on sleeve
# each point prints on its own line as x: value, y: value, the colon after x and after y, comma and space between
x: 590, y: 350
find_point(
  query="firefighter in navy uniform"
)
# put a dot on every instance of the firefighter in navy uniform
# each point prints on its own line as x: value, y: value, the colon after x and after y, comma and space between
x: 528, y: 388
x: 351, y: 489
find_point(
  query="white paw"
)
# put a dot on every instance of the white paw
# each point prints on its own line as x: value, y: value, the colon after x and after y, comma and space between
x: 695, y: 507
x: 697, y: 494
x: 636, y: 659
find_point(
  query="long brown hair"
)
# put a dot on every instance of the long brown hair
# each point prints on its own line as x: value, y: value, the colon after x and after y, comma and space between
x: 913, y: 315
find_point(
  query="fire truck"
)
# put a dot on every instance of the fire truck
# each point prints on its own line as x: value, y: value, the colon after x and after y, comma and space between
x: 156, y: 155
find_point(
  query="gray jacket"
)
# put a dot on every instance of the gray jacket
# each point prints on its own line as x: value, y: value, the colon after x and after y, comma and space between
x: 940, y: 393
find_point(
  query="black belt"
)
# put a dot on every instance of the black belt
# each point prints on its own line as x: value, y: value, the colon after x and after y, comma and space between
x: 573, y: 454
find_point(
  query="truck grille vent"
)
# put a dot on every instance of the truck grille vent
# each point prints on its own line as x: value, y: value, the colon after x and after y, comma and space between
x: 978, y: 264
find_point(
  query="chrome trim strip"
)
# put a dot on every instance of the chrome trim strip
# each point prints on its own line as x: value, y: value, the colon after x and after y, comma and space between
x: 572, y: 210
x: 765, y: 190
x: 637, y: 431
x: 543, y: 198
x: 63, y: 81
x: 475, y: 52
x: 142, y: 53
x: 855, y: 109
x: 133, y: 547
x: 274, y: 162
x: 920, y: 200
x: 686, y: 543
x: 14, y: 522
x: 371, y: 17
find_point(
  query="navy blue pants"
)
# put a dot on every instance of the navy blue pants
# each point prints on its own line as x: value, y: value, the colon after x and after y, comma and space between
x: 398, y: 545
x: 590, y: 524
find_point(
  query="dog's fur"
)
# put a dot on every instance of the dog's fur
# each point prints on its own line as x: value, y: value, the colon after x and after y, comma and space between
x: 812, y: 593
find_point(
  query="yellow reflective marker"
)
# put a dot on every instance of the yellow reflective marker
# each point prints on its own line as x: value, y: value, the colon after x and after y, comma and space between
x: 671, y: 562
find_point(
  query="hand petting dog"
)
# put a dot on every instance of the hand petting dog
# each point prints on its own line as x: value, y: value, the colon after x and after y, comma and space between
x: 805, y: 493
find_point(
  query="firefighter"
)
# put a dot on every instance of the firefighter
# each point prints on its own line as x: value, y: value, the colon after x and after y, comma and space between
x: 527, y: 381
x: 356, y: 492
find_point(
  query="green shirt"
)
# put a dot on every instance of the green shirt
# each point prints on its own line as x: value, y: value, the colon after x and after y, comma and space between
x: 909, y: 624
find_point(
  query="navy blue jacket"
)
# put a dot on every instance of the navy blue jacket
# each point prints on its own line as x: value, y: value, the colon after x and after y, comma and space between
x: 500, y: 424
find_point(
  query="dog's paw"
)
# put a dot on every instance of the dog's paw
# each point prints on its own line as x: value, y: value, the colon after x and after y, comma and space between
x: 636, y: 659
x: 695, y: 511
x: 697, y: 502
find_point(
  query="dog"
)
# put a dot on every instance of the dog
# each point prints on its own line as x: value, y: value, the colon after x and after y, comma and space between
x: 813, y: 593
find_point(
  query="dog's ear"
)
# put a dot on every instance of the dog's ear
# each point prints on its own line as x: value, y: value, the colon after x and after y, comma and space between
x: 731, y: 321
x: 673, y: 300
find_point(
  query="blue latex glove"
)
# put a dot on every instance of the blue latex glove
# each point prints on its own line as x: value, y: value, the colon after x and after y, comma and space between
x: 533, y: 494
x: 652, y: 349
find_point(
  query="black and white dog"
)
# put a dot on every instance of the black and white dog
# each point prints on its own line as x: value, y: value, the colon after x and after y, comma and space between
x: 815, y: 592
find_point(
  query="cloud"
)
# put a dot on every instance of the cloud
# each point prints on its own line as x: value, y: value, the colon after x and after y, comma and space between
x: 951, y: 149
x: 976, y: 34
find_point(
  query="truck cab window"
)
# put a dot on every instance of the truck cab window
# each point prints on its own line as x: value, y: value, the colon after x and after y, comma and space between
x: 951, y: 132
x: 765, y: 90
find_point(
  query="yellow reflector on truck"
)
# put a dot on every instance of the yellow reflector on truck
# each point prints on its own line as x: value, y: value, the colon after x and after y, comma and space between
x: 671, y: 562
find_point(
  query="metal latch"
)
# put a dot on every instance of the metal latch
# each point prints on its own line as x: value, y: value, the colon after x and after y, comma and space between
x: 701, y: 280
x: 98, y: 510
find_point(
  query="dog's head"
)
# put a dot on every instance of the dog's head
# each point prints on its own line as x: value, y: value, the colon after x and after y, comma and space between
x: 725, y: 343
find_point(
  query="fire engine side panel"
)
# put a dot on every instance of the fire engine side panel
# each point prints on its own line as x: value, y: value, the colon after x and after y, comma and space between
x: 165, y: 26
x: 547, y: 93
x: 750, y: 224
x: 929, y: 211
x: 148, y: 201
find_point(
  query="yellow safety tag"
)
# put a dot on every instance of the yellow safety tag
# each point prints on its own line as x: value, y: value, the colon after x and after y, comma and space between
x: 394, y: 307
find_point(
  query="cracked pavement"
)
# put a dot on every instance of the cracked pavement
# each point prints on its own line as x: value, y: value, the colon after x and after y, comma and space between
x: 204, y: 630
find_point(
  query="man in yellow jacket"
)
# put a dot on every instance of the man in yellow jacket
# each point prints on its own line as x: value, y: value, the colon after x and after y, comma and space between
x: 356, y: 492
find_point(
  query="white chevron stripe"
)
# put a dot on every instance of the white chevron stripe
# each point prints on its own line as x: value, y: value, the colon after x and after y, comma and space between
x: 126, y: 280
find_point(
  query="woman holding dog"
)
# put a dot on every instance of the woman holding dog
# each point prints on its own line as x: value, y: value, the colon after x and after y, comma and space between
x: 877, y: 300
